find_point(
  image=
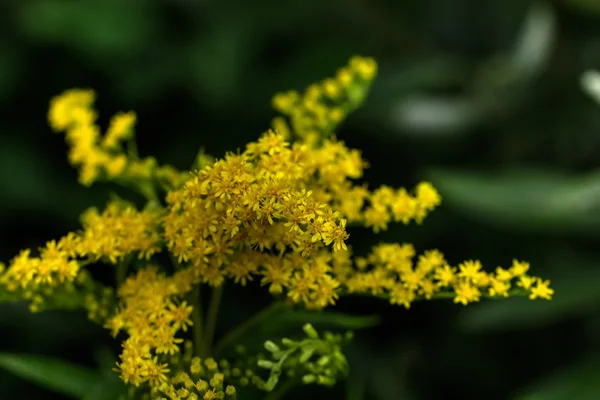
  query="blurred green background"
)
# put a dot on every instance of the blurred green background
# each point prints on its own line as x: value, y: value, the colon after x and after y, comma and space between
x: 481, y: 97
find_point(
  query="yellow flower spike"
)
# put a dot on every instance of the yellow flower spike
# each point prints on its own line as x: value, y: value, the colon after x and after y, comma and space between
x: 366, y: 68
x: 120, y: 128
x: 62, y: 107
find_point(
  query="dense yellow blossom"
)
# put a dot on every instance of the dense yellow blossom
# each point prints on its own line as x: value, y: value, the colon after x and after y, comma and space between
x: 151, y: 313
x: 323, y: 106
x: 283, y: 198
x: 204, y: 379
x: 53, y: 267
x: 119, y: 230
x: 119, y: 130
x: 100, y: 156
x: 277, y: 212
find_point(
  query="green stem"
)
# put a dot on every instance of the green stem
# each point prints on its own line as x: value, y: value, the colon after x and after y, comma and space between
x: 86, y: 262
x: 211, y: 320
x: 132, y: 150
x: 241, y: 329
x: 197, y: 319
x: 440, y: 295
x: 148, y: 190
x: 281, y: 390
x: 121, y: 273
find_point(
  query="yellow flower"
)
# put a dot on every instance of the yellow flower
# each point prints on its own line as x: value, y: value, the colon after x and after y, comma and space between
x: 519, y: 268
x: 470, y: 270
x: 402, y: 296
x: 503, y: 274
x: 466, y: 293
x: 499, y: 287
x: 526, y: 281
x: 541, y: 290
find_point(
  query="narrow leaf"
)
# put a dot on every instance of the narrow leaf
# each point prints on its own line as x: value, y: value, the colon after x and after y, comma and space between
x: 524, y: 199
x: 57, y: 375
x: 108, y: 388
x: 325, y: 319
x: 576, y: 382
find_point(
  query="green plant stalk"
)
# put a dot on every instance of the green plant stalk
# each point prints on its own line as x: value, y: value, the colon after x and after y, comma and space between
x: 211, y: 320
x: 148, y: 190
x: 132, y: 150
x: 241, y: 329
x: 281, y: 390
x: 197, y: 319
x: 516, y: 292
x: 121, y: 273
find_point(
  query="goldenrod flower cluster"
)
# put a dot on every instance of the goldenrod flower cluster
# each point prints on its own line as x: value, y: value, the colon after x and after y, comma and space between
x: 204, y: 381
x: 277, y: 212
x: 323, y: 106
x: 72, y: 113
x: 195, y: 378
x: 151, y: 313
x: 117, y: 231
x: 391, y: 271
x: 112, y: 156
x: 55, y: 278
x: 269, y: 211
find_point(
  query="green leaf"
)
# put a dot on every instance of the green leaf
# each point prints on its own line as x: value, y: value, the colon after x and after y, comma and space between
x: 356, y: 387
x: 96, y: 29
x: 388, y: 372
x: 436, y: 114
x: 499, y: 86
x: 217, y: 61
x: 57, y: 375
x: 39, y: 186
x: 577, y: 382
x: 532, y: 49
x: 587, y: 6
x: 576, y: 293
x: 287, y: 322
x: 524, y: 199
x: 106, y: 361
x: 110, y: 387
x: 331, y: 319
x: 10, y: 70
